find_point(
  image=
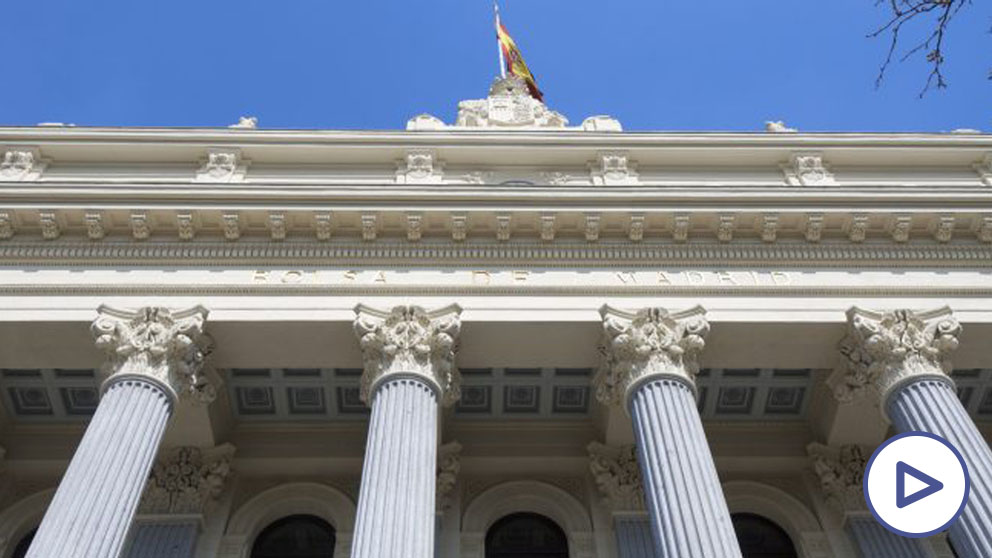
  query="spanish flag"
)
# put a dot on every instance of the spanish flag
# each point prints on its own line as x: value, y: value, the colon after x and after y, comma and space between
x: 514, y: 60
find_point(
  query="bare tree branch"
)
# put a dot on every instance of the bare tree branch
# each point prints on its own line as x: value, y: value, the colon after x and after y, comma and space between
x: 905, y: 11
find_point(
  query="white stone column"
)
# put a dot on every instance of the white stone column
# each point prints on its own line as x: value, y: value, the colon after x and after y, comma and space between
x: 650, y: 366
x: 154, y: 356
x: 409, y: 358
x: 618, y: 477
x: 901, y: 360
x: 841, y: 472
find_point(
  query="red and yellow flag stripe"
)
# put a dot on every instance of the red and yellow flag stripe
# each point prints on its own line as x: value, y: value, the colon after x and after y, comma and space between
x: 514, y: 60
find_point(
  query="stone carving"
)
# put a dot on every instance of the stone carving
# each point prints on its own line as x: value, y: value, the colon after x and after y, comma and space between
x: 944, y: 228
x: 277, y: 226
x: 857, y: 227
x: 814, y: 227
x: 592, y: 227
x: 636, y: 231
x: 50, y: 228
x: 807, y: 169
x: 223, y: 165
x: 649, y: 342
x: 449, y: 464
x: 477, y: 177
x: 984, y: 170
x: 509, y: 104
x: 503, y: 227
x: 983, y: 230
x: 899, y: 227
x: 680, y: 227
x: 725, y: 229
x: 778, y: 127
x: 414, y: 226
x: 601, y: 123
x: 459, y: 226
x: 232, y: 226
x: 185, y: 480
x: 419, y: 167
x: 547, y: 227
x: 322, y: 226
x: 425, y: 122
x: 154, y: 342
x: 884, y: 350
x: 409, y: 340
x: 556, y: 178
x: 246, y: 123
x: 618, y: 475
x: 370, y: 226
x: 94, y: 225
x: 140, y: 229
x: 20, y: 164
x: 612, y: 168
x: 185, y: 226
x: 840, y: 471
x: 769, y: 228
x: 6, y: 225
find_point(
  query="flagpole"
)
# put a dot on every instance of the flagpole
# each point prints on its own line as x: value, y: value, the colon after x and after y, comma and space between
x: 499, y: 45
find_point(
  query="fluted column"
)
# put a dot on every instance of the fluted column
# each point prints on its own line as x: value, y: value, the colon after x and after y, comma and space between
x: 409, y: 367
x: 153, y: 357
x: 901, y: 359
x: 841, y: 472
x: 650, y: 366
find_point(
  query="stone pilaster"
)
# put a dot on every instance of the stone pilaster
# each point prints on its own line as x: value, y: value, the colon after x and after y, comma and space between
x: 154, y: 355
x: 901, y: 360
x: 409, y: 358
x: 650, y: 364
x: 618, y: 476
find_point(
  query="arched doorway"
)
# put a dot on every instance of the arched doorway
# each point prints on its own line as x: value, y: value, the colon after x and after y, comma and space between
x: 296, y: 536
x: 526, y: 535
x: 761, y: 538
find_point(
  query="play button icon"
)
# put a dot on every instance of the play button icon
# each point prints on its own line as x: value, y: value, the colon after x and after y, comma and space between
x: 930, y: 485
x: 916, y: 484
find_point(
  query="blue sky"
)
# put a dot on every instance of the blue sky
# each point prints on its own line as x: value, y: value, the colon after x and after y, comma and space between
x: 654, y: 64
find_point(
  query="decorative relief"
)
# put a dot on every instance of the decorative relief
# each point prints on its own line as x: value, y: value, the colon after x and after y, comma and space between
x: 547, y: 227
x: 94, y: 225
x: 477, y: 177
x: 840, y: 471
x: 6, y: 225
x: 984, y: 170
x: 503, y: 227
x: 185, y: 480
x: 612, y: 168
x: 185, y: 226
x: 277, y: 226
x: 857, y: 227
x: 509, y: 104
x: 636, y: 230
x: 156, y: 342
x: 556, y: 178
x: 680, y: 227
x: 222, y: 166
x: 814, y: 227
x: 618, y: 475
x: 322, y: 226
x: 22, y: 165
x: 983, y: 230
x: 370, y: 226
x: 649, y: 342
x: 245, y: 123
x: 459, y: 227
x: 779, y: 127
x: 449, y: 464
x: 769, y: 227
x: 899, y: 227
x: 944, y: 228
x: 419, y: 167
x: 50, y: 228
x: 414, y: 226
x: 232, y: 226
x: 807, y: 169
x: 592, y: 227
x: 410, y: 340
x: 725, y: 229
x: 140, y: 228
x: 883, y: 350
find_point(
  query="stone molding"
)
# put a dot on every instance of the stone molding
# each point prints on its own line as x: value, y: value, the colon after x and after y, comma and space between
x: 646, y: 344
x: 885, y: 350
x: 449, y: 464
x: 420, y: 166
x: 808, y: 169
x: 840, y: 470
x: 21, y: 164
x: 613, y: 168
x: 185, y: 480
x: 618, y: 476
x: 222, y: 165
x: 410, y: 341
x: 158, y: 344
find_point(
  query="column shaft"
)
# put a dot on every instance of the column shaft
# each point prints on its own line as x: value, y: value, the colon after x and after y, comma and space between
x: 97, y: 498
x: 689, y: 515
x: 163, y: 540
x: 875, y: 541
x: 396, y: 512
x: 634, y: 537
x: 932, y: 406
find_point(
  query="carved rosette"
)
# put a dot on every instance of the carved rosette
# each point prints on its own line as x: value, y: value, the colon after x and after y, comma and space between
x: 618, y: 475
x: 840, y: 470
x: 885, y: 350
x: 449, y: 464
x: 651, y: 342
x: 185, y: 479
x: 159, y: 344
x: 410, y: 341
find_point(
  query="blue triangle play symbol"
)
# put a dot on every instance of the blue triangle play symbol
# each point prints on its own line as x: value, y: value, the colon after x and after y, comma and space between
x: 902, y: 500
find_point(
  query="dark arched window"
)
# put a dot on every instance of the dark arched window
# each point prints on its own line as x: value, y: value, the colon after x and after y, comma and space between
x: 21, y: 550
x: 296, y: 536
x: 526, y: 535
x: 760, y: 538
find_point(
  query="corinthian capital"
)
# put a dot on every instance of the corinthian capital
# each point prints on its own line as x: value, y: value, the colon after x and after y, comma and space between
x: 158, y: 344
x: 840, y: 470
x: 618, y: 476
x: 410, y: 341
x: 885, y: 350
x: 647, y: 343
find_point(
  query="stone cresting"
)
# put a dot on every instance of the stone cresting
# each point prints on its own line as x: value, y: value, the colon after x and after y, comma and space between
x: 410, y: 341
x: 157, y: 344
x: 649, y: 343
x: 186, y: 479
x: 618, y: 476
x: 840, y: 470
x: 885, y: 350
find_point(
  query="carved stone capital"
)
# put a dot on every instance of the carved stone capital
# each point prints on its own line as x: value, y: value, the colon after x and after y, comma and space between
x: 840, y: 470
x: 651, y: 342
x: 410, y: 341
x: 165, y: 346
x: 885, y: 350
x: 185, y: 480
x: 449, y: 464
x: 618, y: 475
